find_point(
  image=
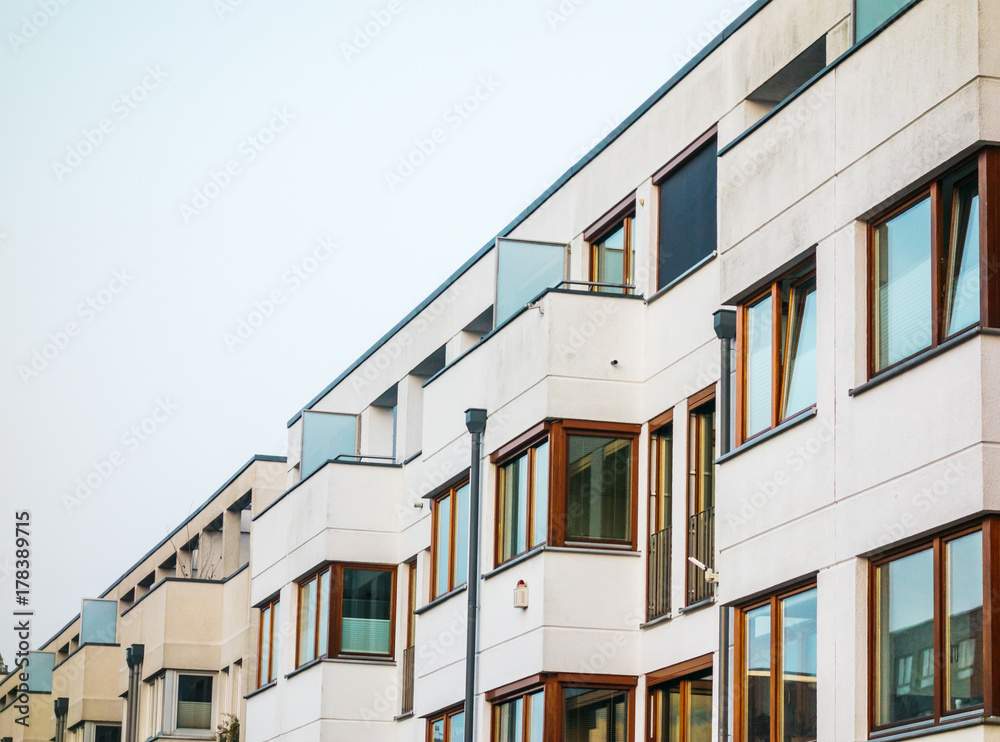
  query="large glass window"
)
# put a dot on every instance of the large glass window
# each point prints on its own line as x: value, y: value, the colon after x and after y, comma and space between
x: 595, y: 715
x: 776, y: 672
x: 681, y: 710
x: 346, y: 610
x: 194, y: 702
x: 450, y: 544
x: 925, y: 269
x: 612, y: 258
x: 915, y: 664
x: 269, y: 631
x: 776, y: 347
x: 688, y: 191
x: 599, y: 489
x: 523, y: 501
x: 520, y: 719
x: 870, y: 14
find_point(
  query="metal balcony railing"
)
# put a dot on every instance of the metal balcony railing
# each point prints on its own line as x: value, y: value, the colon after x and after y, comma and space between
x: 701, y: 546
x: 408, y: 657
x: 658, y: 575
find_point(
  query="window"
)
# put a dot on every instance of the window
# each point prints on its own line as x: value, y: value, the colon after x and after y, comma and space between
x: 776, y: 352
x: 447, y: 726
x: 266, y: 670
x: 409, y: 651
x: 591, y: 501
x: 870, y: 14
x: 347, y: 611
x: 567, y: 707
x: 927, y: 631
x: 701, y: 494
x: 776, y: 668
x: 523, y: 501
x: 681, y: 710
x: 688, y: 188
x: 661, y: 451
x: 612, y: 248
x: 450, y: 540
x: 924, y: 267
x: 194, y: 702
x: 314, y: 617
x: 520, y: 719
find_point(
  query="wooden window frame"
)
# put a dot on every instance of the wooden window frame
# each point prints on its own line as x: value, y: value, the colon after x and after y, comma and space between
x: 316, y: 575
x: 554, y: 685
x: 656, y: 426
x: 698, y: 668
x: 267, y: 673
x: 739, y: 656
x: 779, y: 348
x: 695, y: 402
x: 451, y: 491
x: 445, y: 716
x: 557, y: 433
x: 621, y: 215
x: 335, y: 618
x: 990, y: 528
x: 411, y: 599
x: 985, y: 166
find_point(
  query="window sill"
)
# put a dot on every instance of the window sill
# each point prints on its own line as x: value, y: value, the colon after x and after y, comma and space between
x: 703, y: 603
x: 658, y: 621
x: 384, y: 661
x: 921, y: 358
x: 924, y: 729
x: 611, y: 551
x: 304, y: 667
x: 261, y: 689
x: 514, y: 561
x: 439, y: 600
x: 403, y: 717
x: 791, y: 422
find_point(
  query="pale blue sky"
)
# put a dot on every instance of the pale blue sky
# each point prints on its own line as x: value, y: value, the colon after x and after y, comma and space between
x: 95, y: 216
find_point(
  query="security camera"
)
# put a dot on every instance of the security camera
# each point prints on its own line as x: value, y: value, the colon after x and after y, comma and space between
x: 711, y: 577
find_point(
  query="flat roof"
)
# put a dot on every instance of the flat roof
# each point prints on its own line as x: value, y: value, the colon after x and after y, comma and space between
x: 683, y: 72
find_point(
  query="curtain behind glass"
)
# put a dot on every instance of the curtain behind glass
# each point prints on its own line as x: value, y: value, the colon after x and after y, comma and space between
x: 595, y: 714
x: 599, y: 489
x: 367, y: 611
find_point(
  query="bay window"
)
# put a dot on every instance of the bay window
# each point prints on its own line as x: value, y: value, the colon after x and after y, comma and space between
x: 680, y: 702
x: 924, y: 264
x: 522, y: 515
x: 447, y: 726
x: 599, y: 489
x: 776, y: 353
x: 347, y: 611
x: 450, y: 540
x: 776, y: 665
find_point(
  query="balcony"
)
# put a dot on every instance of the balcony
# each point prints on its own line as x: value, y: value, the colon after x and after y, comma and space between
x: 658, y: 575
x: 700, y: 546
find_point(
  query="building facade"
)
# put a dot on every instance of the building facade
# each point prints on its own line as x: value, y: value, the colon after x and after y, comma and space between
x: 736, y: 466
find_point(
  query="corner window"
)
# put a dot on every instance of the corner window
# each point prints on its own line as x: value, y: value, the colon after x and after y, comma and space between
x: 776, y: 352
x: 776, y: 668
x: 346, y: 611
x: 450, y: 541
x: 688, y: 190
x: 701, y: 495
x: 522, y: 515
x: 266, y: 670
x: 599, y: 489
x: 929, y: 653
x: 870, y: 14
x: 925, y: 257
x: 447, y: 726
x: 601, y: 710
x: 520, y: 719
x: 194, y: 702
